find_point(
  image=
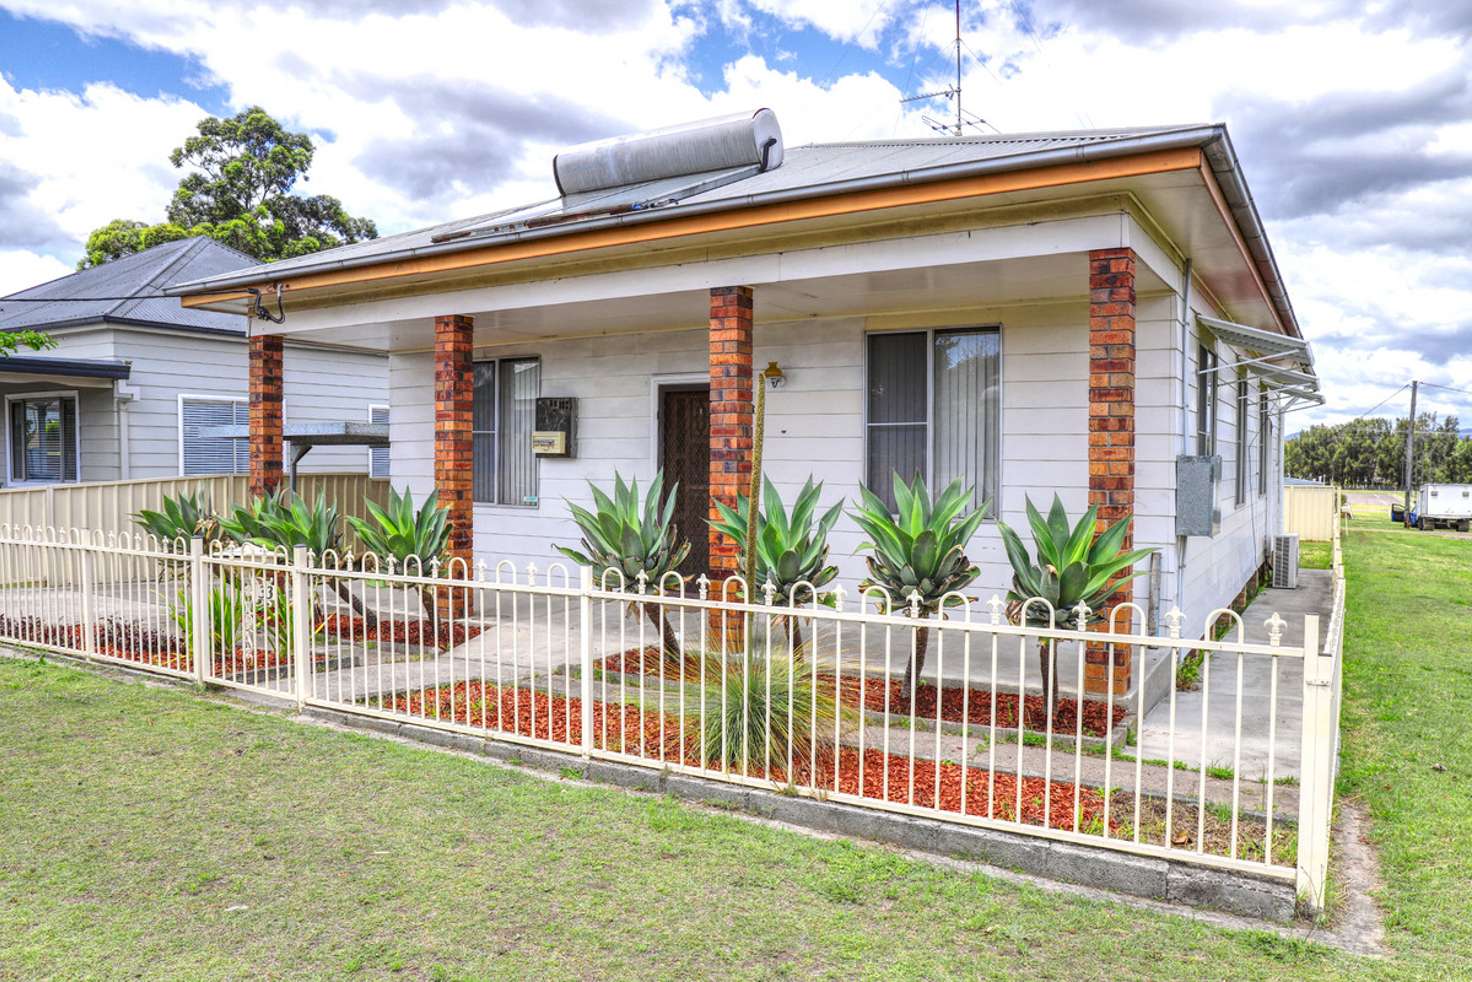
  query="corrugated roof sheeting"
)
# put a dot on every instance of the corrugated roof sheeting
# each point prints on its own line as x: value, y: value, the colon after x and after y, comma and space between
x: 142, y: 276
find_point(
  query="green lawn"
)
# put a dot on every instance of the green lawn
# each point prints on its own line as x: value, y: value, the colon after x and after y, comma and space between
x: 1408, y: 750
x: 1315, y: 555
x: 146, y: 831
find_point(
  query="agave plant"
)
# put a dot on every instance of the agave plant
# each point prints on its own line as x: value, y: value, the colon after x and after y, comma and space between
x: 632, y: 535
x: 919, y: 553
x: 791, y: 550
x: 402, y: 533
x: 278, y: 521
x: 178, y: 518
x: 1073, y: 566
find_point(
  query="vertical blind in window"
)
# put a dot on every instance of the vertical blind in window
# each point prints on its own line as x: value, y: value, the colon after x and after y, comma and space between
x: 43, y: 439
x: 934, y: 410
x: 897, y: 410
x: 213, y: 454
x: 505, y: 469
x: 378, y: 456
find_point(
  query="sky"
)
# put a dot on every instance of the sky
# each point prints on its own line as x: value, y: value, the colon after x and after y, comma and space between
x: 1353, y: 120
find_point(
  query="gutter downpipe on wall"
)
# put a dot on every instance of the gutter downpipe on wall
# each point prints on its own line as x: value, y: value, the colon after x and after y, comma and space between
x: 1182, y: 540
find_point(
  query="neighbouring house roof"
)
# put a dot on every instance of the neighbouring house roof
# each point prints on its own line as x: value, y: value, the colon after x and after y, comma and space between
x: 69, y: 367
x: 139, y: 281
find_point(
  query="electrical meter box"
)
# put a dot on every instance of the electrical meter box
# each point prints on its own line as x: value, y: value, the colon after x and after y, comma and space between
x: 1196, y: 483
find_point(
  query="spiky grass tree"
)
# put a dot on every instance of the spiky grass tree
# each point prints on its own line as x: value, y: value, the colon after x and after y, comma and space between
x: 791, y: 550
x: 634, y: 536
x: 1074, y: 565
x: 918, y: 552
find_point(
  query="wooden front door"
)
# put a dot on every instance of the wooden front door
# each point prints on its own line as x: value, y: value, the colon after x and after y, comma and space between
x: 684, y: 442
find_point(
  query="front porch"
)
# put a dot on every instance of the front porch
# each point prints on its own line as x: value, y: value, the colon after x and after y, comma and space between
x: 1041, y: 400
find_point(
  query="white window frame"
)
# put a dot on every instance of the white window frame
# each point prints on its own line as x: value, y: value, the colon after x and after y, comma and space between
x: 497, y: 359
x: 388, y: 461
x: 994, y: 507
x: 10, y: 400
x: 204, y: 397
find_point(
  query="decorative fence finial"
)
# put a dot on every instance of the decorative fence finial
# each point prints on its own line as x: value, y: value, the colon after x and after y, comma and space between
x: 1275, y: 625
x: 1173, y: 619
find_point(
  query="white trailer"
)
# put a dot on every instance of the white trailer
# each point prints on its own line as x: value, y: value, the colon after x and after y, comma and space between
x: 1444, y: 506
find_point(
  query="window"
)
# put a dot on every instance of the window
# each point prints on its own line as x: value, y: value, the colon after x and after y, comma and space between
x: 43, y: 438
x: 1242, y: 442
x: 1206, y: 396
x: 934, y: 409
x: 1264, y: 441
x: 378, y: 456
x: 200, y: 452
x: 505, y: 469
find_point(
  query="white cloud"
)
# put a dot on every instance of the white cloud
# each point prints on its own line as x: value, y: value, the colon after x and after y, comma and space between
x: 22, y: 268
x: 851, y: 21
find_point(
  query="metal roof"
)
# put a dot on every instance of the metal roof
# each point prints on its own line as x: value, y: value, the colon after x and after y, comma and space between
x: 139, y: 280
x: 70, y: 367
x: 807, y: 171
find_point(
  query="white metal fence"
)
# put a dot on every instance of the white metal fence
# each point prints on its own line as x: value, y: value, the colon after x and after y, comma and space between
x: 691, y: 679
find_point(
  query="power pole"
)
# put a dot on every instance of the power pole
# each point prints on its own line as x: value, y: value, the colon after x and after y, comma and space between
x: 1410, y: 453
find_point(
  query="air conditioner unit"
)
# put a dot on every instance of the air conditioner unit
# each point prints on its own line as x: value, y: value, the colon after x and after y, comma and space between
x: 1285, y: 562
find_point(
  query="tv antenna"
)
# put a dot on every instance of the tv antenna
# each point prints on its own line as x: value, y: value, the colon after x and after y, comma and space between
x: 963, y: 117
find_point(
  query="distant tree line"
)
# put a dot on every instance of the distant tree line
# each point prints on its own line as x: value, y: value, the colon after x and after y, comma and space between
x: 1372, y: 453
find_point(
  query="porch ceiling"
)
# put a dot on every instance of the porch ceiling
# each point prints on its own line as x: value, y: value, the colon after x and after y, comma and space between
x: 891, y: 292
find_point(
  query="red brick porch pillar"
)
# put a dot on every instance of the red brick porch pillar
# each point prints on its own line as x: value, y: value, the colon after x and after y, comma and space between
x: 266, y: 427
x: 454, y: 391
x: 730, y: 412
x: 1112, y: 431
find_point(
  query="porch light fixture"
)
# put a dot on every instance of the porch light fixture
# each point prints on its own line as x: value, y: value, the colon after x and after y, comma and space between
x: 774, y: 375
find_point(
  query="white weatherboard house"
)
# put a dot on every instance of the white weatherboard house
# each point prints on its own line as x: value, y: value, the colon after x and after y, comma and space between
x: 137, y: 384
x: 1075, y: 312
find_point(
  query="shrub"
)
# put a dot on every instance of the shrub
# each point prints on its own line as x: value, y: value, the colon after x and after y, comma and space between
x: 226, y: 608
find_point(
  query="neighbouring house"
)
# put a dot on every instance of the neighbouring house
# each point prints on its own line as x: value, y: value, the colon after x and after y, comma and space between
x: 1087, y: 313
x: 138, y: 386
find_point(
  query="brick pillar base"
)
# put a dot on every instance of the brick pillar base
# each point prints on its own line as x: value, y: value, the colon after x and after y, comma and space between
x: 266, y: 427
x: 731, y: 421
x: 1112, y: 435
x: 454, y: 392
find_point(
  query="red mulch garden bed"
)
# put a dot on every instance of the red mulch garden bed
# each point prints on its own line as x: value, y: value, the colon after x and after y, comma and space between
x: 558, y: 718
x: 418, y: 631
x: 954, y: 705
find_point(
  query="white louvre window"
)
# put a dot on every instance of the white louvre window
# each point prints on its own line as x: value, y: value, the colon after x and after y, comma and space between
x: 505, y: 470
x: 203, y: 454
x: 1206, y: 396
x: 1264, y: 442
x: 1242, y: 443
x: 934, y: 409
x: 43, y: 438
x: 378, y: 456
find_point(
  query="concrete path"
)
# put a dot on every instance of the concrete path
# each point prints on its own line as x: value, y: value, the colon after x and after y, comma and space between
x: 1217, y: 694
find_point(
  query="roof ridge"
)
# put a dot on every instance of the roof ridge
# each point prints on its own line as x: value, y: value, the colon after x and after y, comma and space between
x: 141, y: 291
x: 1098, y: 133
